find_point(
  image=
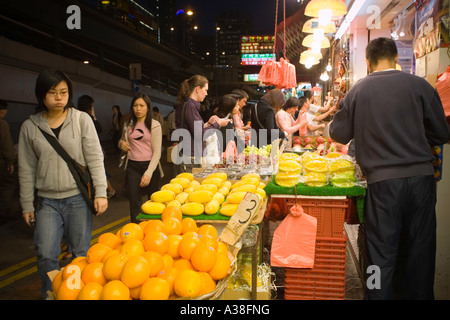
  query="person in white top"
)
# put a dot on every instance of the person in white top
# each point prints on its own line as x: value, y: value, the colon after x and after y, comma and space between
x: 314, y: 124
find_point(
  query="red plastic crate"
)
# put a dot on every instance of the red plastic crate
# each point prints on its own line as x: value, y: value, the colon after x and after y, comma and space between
x: 326, y: 280
x: 330, y: 214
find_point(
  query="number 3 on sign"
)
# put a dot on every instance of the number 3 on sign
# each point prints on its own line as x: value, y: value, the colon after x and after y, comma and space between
x: 250, y: 205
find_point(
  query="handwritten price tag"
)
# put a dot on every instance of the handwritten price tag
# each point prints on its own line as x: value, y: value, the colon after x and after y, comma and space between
x: 241, y: 219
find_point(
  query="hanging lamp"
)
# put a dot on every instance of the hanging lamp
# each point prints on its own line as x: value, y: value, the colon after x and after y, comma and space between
x: 308, y: 56
x: 309, y: 41
x: 314, y: 24
x: 323, y: 8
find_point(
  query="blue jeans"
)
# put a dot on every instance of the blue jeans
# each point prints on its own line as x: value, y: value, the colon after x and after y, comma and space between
x: 54, y: 219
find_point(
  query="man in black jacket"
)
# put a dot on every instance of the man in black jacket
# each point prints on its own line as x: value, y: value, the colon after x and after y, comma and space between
x: 395, y: 118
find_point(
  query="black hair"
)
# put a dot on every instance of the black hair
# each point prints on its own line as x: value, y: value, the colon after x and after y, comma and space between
x: 3, y: 105
x: 291, y: 102
x: 308, y: 94
x: 148, y: 117
x: 47, y: 80
x: 156, y: 109
x: 380, y: 49
x: 241, y: 94
x: 301, y: 101
x: 227, y: 103
x: 85, y: 103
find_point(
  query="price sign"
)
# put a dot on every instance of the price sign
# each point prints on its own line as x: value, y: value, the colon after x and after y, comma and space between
x: 241, y: 219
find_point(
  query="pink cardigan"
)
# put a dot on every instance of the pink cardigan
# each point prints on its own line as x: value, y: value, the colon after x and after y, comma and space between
x: 286, y: 123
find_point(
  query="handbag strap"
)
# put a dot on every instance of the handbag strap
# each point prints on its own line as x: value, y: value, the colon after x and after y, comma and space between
x: 57, y: 146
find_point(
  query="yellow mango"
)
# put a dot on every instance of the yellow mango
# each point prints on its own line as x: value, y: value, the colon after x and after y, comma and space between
x: 186, y: 175
x: 227, y: 184
x: 212, y: 207
x: 253, y: 181
x: 261, y: 192
x: 221, y: 175
x: 245, y: 187
x: 184, y: 182
x: 189, y: 190
x: 219, y: 197
x: 208, y: 187
x: 175, y: 187
x: 289, y: 166
x: 181, y: 197
x: 150, y: 207
x: 194, y: 183
x: 224, y: 190
x: 163, y: 196
x: 200, y: 196
x: 236, y: 197
x: 216, y: 181
x: 261, y: 185
x: 173, y: 203
x: 192, y: 209
x: 228, y: 209
x: 251, y: 175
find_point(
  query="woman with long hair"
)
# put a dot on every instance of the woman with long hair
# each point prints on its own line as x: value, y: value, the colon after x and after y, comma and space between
x: 192, y: 92
x: 141, y: 140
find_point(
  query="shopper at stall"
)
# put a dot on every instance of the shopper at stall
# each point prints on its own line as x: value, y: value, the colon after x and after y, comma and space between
x: 285, y: 120
x: 190, y: 150
x: 60, y: 207
x: 263, y: 120
x: 395, y: 118
x: 243, y: 130
x: 141, y: 139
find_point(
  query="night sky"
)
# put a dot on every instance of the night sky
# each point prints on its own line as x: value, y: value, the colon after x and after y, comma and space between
x: 262, y: 11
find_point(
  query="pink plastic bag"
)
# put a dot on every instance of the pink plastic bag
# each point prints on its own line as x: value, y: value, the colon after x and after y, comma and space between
x: 294, y: 241
x: 443, y: 88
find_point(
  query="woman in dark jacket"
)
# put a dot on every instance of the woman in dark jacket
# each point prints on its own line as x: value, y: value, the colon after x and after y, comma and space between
x: 263, y: 120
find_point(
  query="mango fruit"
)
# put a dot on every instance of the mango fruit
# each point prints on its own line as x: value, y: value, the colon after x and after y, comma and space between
x: 192, y: 209
x: 216, y: 181
x: 184, y: 182
x: 162, y: 196
x: 200, y: 196
x: 236, y: 197
x: 186, y: 175
x: 175, y: 187
x: 181, y: 197
x: 221, y: 175
x: 212, y: 207
x: 228, y: 209
x: 150, y: 207
x: 209, y: 187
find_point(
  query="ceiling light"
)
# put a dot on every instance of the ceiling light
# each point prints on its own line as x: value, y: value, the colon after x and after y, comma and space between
x: 312, y: 24
x: 309, y: 40
x: 326, y: 9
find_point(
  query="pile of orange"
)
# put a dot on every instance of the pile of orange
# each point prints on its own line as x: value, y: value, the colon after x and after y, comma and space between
x: 154, y: 260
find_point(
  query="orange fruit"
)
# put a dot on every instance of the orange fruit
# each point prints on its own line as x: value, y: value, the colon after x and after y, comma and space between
x: 109, y: 239
x: 183, y: 264
x: 173, y: 212
x: 187, y: 284
x: 221, y: 267
x: 174, y: 242
x: 142, y: 224
x: 187, y: 245
x: 154, y: 225
x: 133, y: 247
x: 156, y: 262
x: 222, y: 248
x: 168, y: 261
x: 93, y: 272
x: 156, y: 241
x: 115, y: 290
x: 135, y: 293
x: 131, y: 231
x: 155, y: 289
x: 169, y: 274
x: 203, y: 257
x: 208, y: 284
x: 57, y: 281
x: 209, y: 241
x: 135, y: 271
x: 69, y: 290
x: 109, y: 254
x: 112, y: 268
x: 90, y: 291
x: 173, y: 225
x: 96, y: 252
x: 207, y: 229
x: 188, y: 224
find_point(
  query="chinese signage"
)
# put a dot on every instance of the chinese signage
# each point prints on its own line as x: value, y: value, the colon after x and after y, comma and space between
x: 257, y: 50
x: 257, y: 59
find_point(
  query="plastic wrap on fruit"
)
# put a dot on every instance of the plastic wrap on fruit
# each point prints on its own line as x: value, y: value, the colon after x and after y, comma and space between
x: 286, y: 179
x: 290, y: 156
x: 315, y: 179
x: 316, y: 165
x: 343, y: 180
x: 250, y: 236
x: 308, y: 156
x: 289, y: 166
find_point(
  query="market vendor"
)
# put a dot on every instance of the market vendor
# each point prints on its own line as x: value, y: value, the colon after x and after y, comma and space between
x: 263, y: 120
x: 395, y: 118
x: 314, y: 119
x: 285, y: 120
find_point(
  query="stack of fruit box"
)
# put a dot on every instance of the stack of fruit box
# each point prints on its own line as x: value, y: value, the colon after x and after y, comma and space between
x: 326, y: 280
